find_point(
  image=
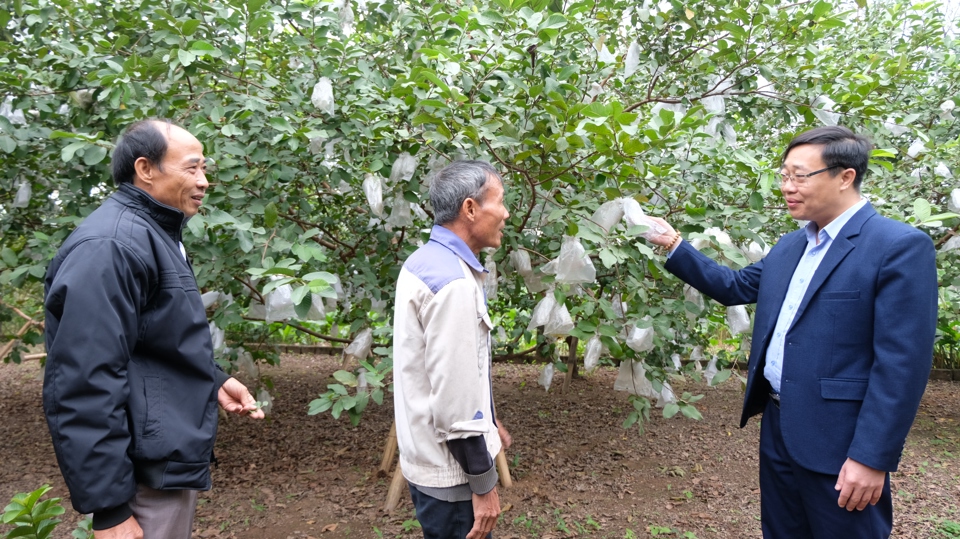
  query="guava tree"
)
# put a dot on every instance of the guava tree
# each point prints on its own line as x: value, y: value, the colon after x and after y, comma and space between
x: 325, y: 121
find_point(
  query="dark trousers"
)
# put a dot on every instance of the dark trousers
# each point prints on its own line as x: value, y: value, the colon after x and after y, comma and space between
x: 164, y: 514
x: 443, y: 520
x: 796, y: 503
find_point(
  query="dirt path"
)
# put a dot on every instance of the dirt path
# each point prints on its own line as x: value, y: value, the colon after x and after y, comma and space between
x: 577, y: 472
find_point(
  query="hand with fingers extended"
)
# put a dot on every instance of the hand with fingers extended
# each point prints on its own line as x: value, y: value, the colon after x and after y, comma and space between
x: 859, y: 485
x: 128, y: 529
x: 235, y: 398
x: 486, y: 510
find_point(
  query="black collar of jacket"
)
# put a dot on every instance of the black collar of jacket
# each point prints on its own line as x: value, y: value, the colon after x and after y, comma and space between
x: 170, y: 219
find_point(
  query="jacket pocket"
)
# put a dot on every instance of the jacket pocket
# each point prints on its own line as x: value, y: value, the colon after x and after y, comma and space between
x: 153, y: 399
x: 840, y: 294
x: 843, y: 389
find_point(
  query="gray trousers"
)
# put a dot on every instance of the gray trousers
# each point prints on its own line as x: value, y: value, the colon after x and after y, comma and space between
x: 164, y: 514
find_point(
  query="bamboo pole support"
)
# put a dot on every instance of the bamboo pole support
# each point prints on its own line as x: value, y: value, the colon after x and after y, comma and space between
x: 389, y: 451
x: 397, y: 485
x: 9, y: 346
x: 503, y: 470
x: 571, y: 363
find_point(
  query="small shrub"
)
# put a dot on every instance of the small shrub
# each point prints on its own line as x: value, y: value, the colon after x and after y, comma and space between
x: 30, y: 517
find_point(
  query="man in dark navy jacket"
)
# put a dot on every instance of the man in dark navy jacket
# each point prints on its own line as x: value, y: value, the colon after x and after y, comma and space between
x: 842, y: 343
x: 131, y: 388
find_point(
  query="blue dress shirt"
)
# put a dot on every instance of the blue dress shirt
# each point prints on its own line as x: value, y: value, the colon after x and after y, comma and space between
x: 817, y: 247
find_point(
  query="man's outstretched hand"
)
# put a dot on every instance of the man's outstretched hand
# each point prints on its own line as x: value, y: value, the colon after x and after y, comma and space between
x: 235, y: 398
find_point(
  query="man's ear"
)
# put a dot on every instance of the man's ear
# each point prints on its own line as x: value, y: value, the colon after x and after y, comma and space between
x: 144, y: 171
x: 469, y: 209
x: 847, y: 177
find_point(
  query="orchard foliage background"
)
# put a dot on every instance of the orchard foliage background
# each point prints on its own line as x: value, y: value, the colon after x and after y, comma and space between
x: 683, y: 106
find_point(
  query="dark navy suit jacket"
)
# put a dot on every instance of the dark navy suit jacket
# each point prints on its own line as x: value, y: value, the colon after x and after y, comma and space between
x: 858, y: 354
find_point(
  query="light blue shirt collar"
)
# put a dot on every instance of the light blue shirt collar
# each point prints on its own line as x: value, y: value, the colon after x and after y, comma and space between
x: 834, y: 227
x: 446, y: 237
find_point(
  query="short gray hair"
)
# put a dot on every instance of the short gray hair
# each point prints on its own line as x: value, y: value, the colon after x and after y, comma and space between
x: 457, y: 182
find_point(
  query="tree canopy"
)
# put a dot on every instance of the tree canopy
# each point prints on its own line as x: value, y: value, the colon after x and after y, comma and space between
x: 324, y: 121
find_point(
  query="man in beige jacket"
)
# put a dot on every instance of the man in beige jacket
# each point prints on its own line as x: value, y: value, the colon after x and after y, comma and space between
x: 446, y: 429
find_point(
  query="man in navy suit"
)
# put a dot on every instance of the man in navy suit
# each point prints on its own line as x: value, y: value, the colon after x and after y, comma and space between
x: 842, y: 343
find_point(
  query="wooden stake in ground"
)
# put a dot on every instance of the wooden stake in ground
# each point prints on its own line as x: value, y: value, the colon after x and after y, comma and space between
x: 397, y: 485
x: 503, y: 470
x: 389, y: 451
x: 571, y: 363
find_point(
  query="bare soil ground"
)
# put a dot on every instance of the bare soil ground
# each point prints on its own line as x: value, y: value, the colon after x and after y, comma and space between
x: 577, y: 472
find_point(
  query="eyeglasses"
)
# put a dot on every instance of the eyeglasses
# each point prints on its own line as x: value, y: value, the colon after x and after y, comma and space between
x: 799, y: 180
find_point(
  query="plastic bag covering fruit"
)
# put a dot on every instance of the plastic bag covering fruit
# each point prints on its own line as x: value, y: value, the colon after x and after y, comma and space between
x: 400, y: 213
x: 591, y: 354
x: 246, y: 365
x: 677, y: 365
x: 618, y: 305
x: 359, y: 349
x: 403, y: 168
x: 559, y: 322
x: 737, y: 319
x: 951, y: 244
x: 280, y: 304
x: 823, y: 108
x: 754, y: 252
x: 322, y: 96
x: 692, y: 295
x: 24, y: 192
x: 546, y: 376
x: 490, y: 279
x: 954, y: 204
x: 541, y: 313
x: 721, y: 237
x: 218, y: 336
x: 666, y: 396
x: 373, y: 188
x: 640, y: 340
x: 633, y: 216
x: 711, y: 370
x: 574, y: 266
x: 608, y: 214
x: 521, y: 261
x: 632, y: 378
x: 362, y: 386
x: 632, y: 60
x: 317, y: 310
x: 696, y: 356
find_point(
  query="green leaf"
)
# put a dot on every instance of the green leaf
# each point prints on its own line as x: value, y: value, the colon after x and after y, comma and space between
x: 189, y: 27
x: 921, y: 210
x: 689, y: 411
x: 670, y: 410
x: 302, y: 306
x: 346, y: 378
x: 7, y: 144
x: 186, y: 57
x: 490, y: 18
x: 281, y: 124
x: 270, y: 215
x: 93, y: 155
x: 67, y: 153
x: 720, y: 377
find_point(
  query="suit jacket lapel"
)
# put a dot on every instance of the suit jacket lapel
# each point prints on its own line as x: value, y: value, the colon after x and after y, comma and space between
x: 842, y: 245
x: 782, y: 271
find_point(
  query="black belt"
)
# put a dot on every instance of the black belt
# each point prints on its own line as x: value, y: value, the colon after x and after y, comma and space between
x: 775, y: 397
